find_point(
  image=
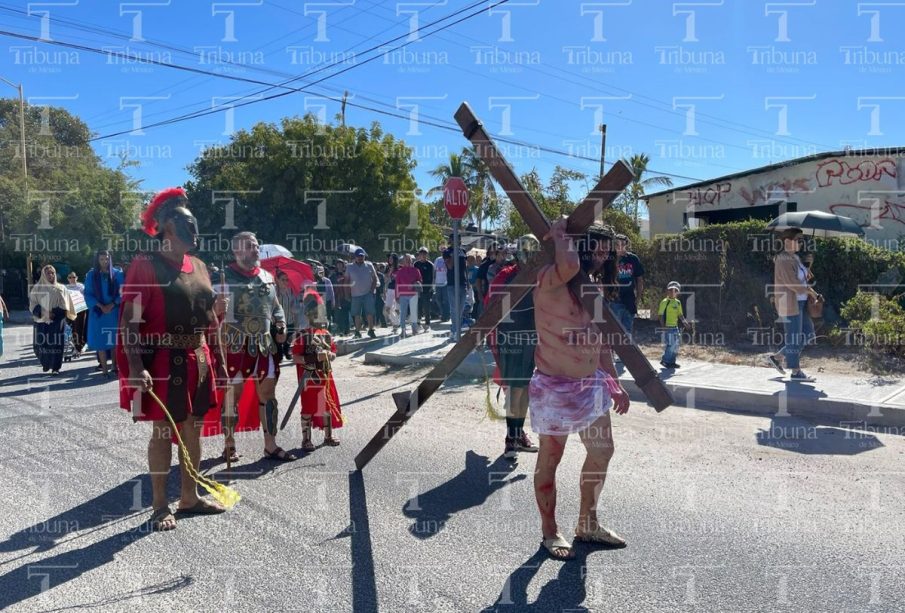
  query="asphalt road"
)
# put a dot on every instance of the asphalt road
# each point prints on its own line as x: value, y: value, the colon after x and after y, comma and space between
x: 722, y: 512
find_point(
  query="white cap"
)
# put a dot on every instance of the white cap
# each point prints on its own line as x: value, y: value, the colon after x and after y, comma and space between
x: 674, y: 285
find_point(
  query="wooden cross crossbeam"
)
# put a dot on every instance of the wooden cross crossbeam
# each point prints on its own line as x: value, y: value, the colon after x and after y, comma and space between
x: 603, y: 194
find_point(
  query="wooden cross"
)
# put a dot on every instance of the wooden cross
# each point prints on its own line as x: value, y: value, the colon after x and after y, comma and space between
x: 603, y: 194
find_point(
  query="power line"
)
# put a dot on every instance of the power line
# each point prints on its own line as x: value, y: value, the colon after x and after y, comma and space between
x: 443, y: 126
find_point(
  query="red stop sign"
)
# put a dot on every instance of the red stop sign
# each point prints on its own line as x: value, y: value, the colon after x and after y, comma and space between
x: 455, y: 197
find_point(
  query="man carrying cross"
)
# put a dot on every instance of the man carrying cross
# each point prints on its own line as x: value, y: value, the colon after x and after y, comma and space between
x: 573, y: 388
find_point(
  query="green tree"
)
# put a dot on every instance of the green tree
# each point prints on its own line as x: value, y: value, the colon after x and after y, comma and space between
x: 310, y: 187
x: 553, y: 198
x: 630, y: 201
x: 75, y: 204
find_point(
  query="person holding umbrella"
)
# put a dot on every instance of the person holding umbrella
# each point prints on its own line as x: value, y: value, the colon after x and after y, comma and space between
x: 790, y: 294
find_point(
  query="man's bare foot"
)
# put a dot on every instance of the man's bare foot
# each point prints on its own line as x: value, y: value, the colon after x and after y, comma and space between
x: 162, y: 520
x: 199, y: 507
x: 558, y: 547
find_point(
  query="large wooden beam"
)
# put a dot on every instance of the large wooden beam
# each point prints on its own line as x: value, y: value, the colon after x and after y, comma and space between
x: 407, y: 403
x: 603, y: 194
x: 600, y: 197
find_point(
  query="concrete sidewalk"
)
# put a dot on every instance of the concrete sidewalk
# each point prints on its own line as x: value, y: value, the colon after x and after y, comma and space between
x: 855, y: 401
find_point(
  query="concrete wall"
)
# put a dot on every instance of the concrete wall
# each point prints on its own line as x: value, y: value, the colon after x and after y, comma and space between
x: 869, y: 189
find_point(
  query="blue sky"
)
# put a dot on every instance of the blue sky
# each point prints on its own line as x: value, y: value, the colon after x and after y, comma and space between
x: 704, y: 88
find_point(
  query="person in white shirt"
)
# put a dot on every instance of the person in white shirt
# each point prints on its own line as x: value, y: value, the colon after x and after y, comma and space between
x: 441, y: 297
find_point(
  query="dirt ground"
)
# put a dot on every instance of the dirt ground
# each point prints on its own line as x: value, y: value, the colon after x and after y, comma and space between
x: 822, y: 357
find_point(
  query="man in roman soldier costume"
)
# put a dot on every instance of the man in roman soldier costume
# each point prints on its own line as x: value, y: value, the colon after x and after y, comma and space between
x: 167, y: 308
x: 253, y: 326
x: 313, y: 352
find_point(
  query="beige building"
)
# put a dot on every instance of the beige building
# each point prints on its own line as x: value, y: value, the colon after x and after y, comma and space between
x: 867, y: 185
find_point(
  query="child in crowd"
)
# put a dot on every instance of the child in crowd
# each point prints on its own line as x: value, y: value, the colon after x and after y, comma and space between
x: 313, y: 352
x: 671, y: 316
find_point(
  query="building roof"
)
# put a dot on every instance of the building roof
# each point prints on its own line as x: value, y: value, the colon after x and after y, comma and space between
x: 808, y: 158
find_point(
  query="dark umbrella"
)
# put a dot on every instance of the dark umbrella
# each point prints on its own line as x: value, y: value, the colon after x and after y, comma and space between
x: 817, y: 223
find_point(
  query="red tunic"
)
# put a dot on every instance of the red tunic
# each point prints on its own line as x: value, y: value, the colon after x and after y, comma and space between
x: 319, y: 397
x: 175, y: 300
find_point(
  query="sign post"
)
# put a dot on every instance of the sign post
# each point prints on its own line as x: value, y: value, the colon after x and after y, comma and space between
x: 455, y: 200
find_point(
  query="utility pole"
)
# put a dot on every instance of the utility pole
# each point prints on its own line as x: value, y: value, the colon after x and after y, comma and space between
x: 602, y: 147
x: 24, y: 160
x: 343, y: 111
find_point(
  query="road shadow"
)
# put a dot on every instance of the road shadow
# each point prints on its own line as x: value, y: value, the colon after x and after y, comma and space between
x: 164, y: 587
x: 799, y: 436
x: 68, y: 379
x: 31, y: 579
x: 566, y: 592
x: 470, y: 488
x: 118, y: 504
x: 364, y: 585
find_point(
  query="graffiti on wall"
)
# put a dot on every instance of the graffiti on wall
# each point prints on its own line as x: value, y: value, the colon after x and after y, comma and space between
x: 775, y: 190
x: 869, y: 215
x: 846, y: 173
x: 712, y: 195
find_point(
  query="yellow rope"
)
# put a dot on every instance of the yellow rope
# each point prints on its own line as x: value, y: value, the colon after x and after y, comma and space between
x: 490, y: 411
x: 226, y: 496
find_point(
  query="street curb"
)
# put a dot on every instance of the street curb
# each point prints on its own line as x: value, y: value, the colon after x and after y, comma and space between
x: 806, y: 403
x: 839, y: 411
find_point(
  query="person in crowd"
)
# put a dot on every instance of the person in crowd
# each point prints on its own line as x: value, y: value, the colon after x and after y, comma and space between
x: 325, y: 289
x: 291, y: 307
x: 80, y: 323
x: 50, y: 305
x: 471, y: 299
x: 498, y: 261
x: 630, y: 280
x: 408, y: 289
x: 441, y: 296
x: 340, y: 282
x: 363, y: 286
x: 313, y: 353
x: 253, y: 311
x: 482, y: 281
x: 426, y: 268
x: 4, y: 314
x: 102, y: 295
x: 379, y: 303
x: 515, y: 341
x: 390, y: 306
x: 790, y: 297
x: 573, y: 388
x: 166, y: 331
x: 456, y: 319
x: 671, y: 315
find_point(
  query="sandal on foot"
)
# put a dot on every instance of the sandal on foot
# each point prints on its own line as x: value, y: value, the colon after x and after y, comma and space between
x: 331, y: 442
x: 555, y: 543
x: 308, y: 446
x: 202, y: 507
x: 162, y: 520
x: 600, y: 536
x: 229, y: 455
x: 280, y: 455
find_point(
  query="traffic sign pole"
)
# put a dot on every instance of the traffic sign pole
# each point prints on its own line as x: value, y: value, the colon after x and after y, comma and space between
x: 457, y: 323
x: 455, y: 200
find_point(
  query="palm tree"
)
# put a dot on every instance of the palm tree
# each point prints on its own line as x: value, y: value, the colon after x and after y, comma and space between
x: 482, y: 188
x: 634, y: 193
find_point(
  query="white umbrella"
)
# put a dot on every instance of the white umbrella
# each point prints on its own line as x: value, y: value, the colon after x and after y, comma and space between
x: 272, y: 251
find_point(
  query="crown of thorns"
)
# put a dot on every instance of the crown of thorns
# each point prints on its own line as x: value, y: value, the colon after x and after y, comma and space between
x: 599, y: 230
